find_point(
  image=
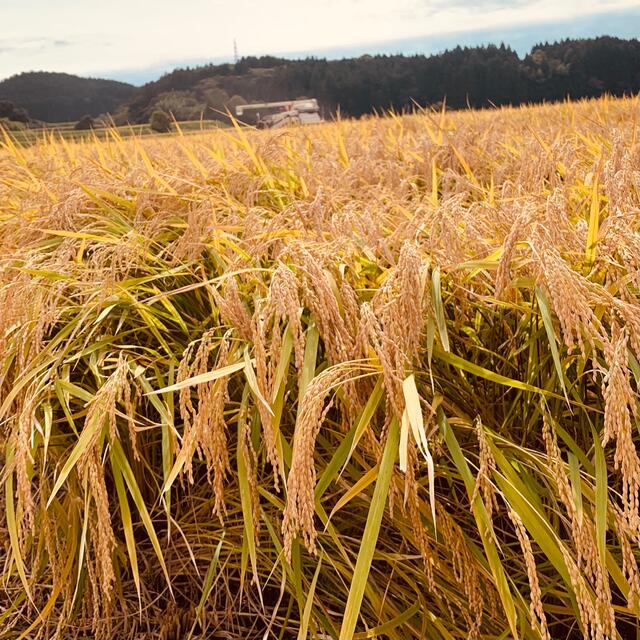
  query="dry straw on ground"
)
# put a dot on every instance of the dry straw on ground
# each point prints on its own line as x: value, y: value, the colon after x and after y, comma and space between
x: 366, y: 379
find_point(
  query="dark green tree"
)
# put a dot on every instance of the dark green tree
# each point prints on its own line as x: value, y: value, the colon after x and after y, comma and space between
x: 84, y: 124
x: 160, y: 121
x: 9, y: 111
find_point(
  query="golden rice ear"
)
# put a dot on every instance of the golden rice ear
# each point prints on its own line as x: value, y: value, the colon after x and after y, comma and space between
x: 509, y: 250
x: 621, y: 415
x: 232, y: 309
x: 204, y: 423
x: 465, y: 572
x: 300, y: 506
x: 484, y: 487
x: 536, y: 608
x: 284, y: 301
x: 590, y: 568
x: 627, y: 538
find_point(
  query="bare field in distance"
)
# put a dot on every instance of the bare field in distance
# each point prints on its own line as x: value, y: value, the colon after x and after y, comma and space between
x: 367, y: 379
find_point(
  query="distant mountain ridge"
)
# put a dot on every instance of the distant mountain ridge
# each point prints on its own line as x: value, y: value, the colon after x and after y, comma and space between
x: 464, y: 76
x: 60, y: 97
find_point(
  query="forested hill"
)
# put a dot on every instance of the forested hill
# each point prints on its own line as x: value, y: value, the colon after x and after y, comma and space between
x: 475, y: 76
x: 478, y: 77
x: 58, y: 97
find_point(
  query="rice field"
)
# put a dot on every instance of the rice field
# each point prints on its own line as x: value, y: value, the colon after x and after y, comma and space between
x: 367, y: 379
x: 52, y: 133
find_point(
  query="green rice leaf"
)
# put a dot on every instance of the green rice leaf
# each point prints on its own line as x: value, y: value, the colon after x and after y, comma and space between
x: 308, y: 606
x: 370, y: 535
x: 436, y: 292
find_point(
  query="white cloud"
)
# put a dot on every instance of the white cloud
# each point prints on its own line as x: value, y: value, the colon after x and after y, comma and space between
x: 122, y: 34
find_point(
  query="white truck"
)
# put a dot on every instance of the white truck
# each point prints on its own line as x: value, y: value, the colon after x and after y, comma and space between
x: 273, y: 115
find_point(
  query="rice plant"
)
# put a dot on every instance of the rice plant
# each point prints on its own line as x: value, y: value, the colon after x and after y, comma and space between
x: 368, y: 379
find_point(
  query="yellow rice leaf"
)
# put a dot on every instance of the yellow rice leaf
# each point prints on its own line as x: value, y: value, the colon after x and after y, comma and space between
x: 594, y: 223
x: 210, y: 376
x: 434, y: 183
x: 12, y: 525
x: 355, y: 490
x: 250, y: 375
x: 413, y: 412
x: 343, y: 155
x: 404, y: 442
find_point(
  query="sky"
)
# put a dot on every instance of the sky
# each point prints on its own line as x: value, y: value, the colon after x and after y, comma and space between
x: 136, y: 40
